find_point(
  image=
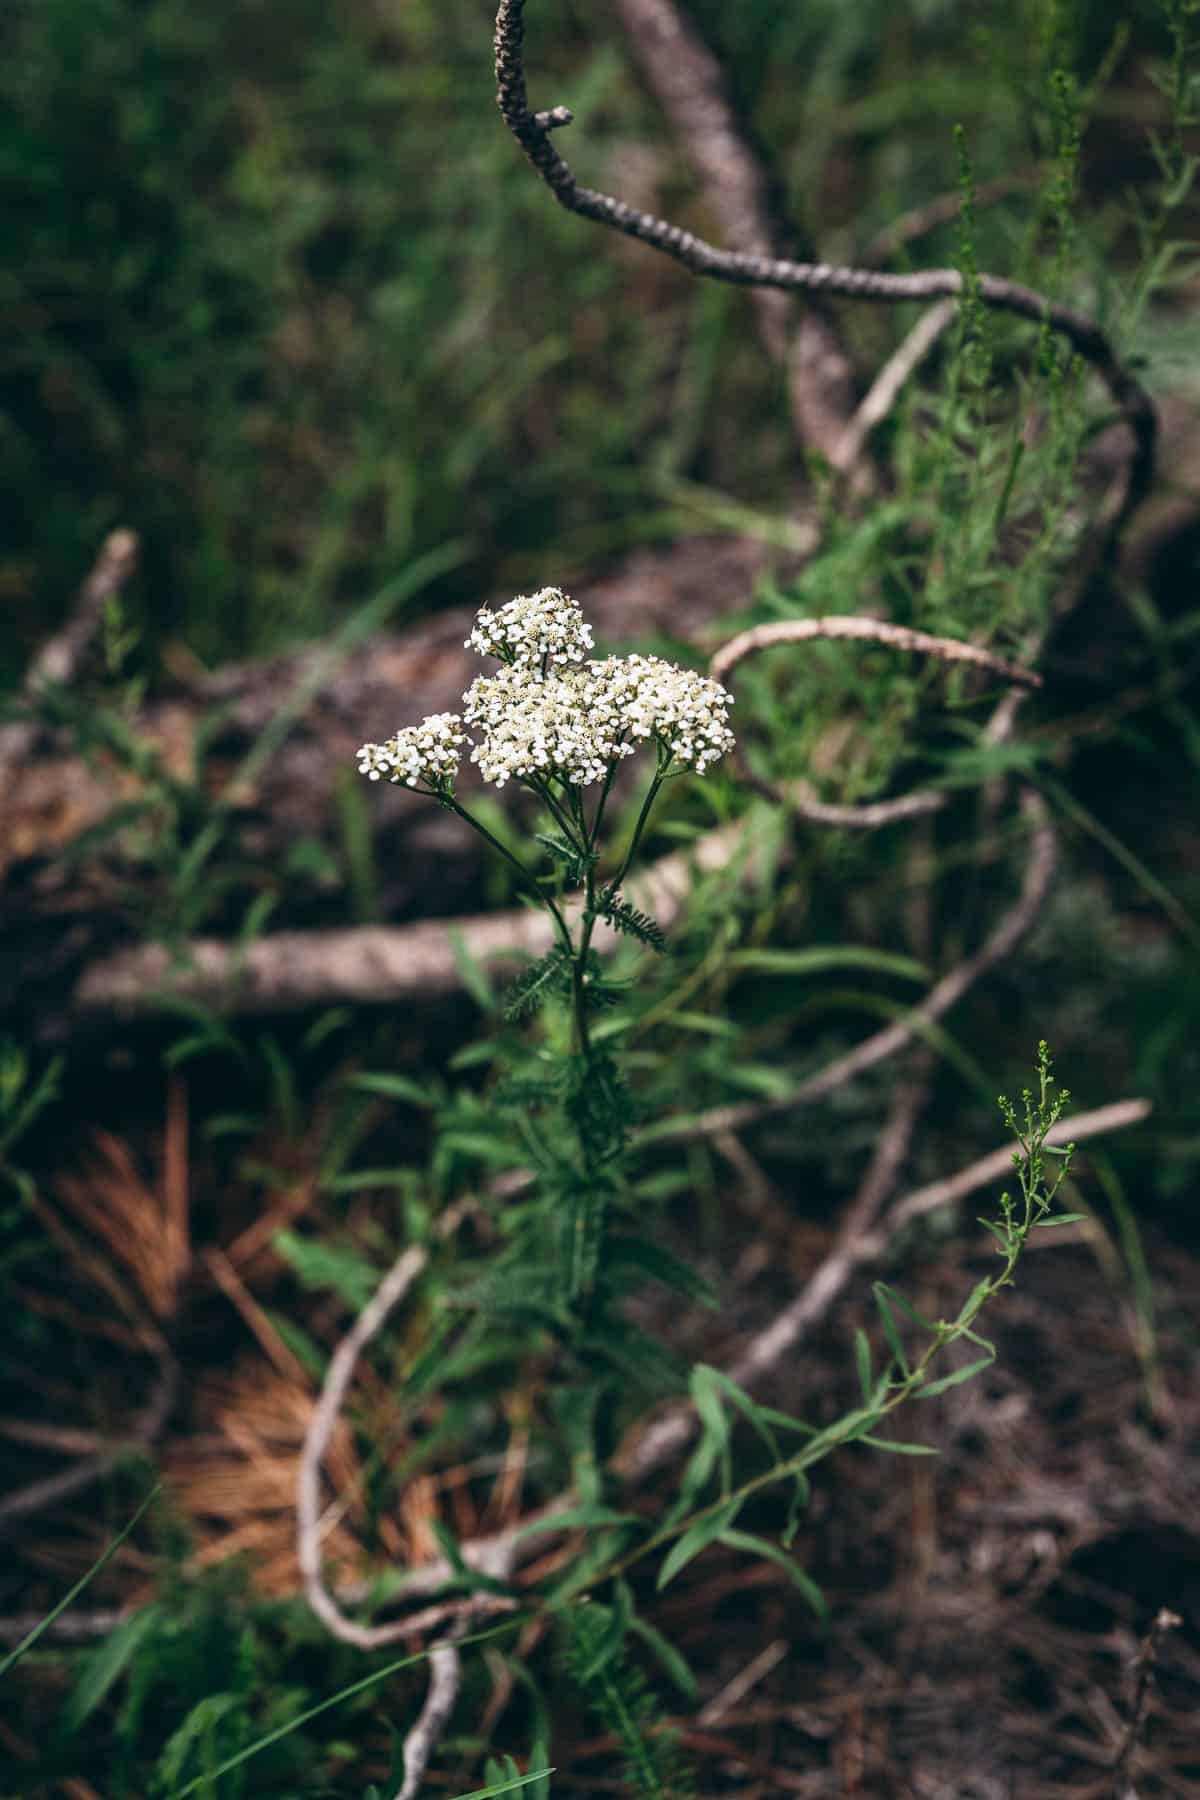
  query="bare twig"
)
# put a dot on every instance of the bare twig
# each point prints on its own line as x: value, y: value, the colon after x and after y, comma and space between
x: 59, y: 659
x: 921, y: 220
x: 751, y: 270
x: 890, y: 382
x: 998, y: 1163
x: 857, y: 1243
x: 799, y: 797
x: 688, y: 80
x: 391, y: 1291
x: 1165, y: 1620
x: 143, y: 1433
x: 941, y: 997
x: 668, y: 1434
x: 856, y: 625
x: 445, y: 1679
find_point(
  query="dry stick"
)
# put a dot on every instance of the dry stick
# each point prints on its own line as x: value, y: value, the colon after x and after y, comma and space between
x: 391, y: 1291
x: 371, y: 964
x: 1165, y: 1620
x: 670, y: 1432
x: 941, y: 997
x: 800, y: 798
x: 59, y: 659
x: 885, y: 390
x: 921, y: 220
x: 689, y: 82
x: 533, y: 132
x: 855, y: 625
x: 445, y: 1679
x: 949, y: 1188
x: 146, y: 1428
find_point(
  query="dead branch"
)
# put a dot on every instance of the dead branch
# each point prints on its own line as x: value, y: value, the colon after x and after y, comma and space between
x: 921, y: 220
x: 688, y: 80
x: 941, y: 997
x: 1165, y: 1620
x: 799, y: 796
x: 854, y: 625
x: 391, y: 1291
x: 144, y: 1432
x: 59, y: 659
x: 890, y: 382
x: 999, y: 1163
x: 366, y: 964
x: 533, y: 133
x: 445, y: 1679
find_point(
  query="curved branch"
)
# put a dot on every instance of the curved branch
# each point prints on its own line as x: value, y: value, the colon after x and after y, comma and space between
x: 798, y: 797
x: 746, y: 269
x: 941, y: 997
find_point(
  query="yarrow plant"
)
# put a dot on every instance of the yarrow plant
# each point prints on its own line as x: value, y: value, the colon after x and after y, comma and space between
x: 560, y: 722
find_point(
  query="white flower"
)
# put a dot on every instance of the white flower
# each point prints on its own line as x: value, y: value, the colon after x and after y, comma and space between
x: 686, y: 712
x: 548, y: 711
x: 533, y: 631
x: 563, y: 723
x: 430, y: 750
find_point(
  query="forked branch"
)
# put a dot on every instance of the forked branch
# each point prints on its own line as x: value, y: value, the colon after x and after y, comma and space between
x: 533, y: 132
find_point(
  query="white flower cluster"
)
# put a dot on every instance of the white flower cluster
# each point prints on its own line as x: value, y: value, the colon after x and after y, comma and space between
x: 548, y: 711
x: 685, y: 711
x: 533, y: 630
x: 563, y: 723
x: 430, y: 750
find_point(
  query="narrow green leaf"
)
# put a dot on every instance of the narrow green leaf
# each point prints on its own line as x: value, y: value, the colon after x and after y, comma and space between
x: 827, y: 956
x: 105, y: 1666
x: 348, y: 1693
x: 1061, y: 1219
x: 890, y: 1329
x: 471, y: 972
x: 505, y: 1787
x: 906, y: 1306
x: 393, y: 1087
x: 576, y: 1516
x: 862, y: 1358
x: 899, y: 1449
x: 843, y: 1431
x: 660, y: 1265
x: 31, y: 1638
x: 670, y: 1658
x: 954, y: 1379
x: 697, y: 1538
x: 757, y: 1546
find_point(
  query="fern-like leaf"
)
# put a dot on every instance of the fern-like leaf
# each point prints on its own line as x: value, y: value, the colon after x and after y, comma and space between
x: 625, y: 918
x: 536, y: 983
x: 574, y: 862
x: 620, y: 1696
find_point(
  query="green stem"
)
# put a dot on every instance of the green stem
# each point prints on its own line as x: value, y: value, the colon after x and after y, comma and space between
x: 660, y: 775
x: 528, y: 881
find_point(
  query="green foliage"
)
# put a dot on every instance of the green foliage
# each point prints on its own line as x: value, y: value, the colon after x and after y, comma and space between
x: 621, y: 1698
x: 628, y: 920
x: 239, y: 326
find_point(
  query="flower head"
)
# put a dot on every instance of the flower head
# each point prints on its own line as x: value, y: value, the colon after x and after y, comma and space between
x: 685, y: 712
x: 564, y: 723
x: 535, y: 631
x: 550, y: 711
x: 428, y: 751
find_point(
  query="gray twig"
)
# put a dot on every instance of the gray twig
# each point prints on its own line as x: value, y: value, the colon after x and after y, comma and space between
x: 1147, y: 1656
x: 144, y: 1432
x: 688, y: 80
x: 59, y: 659
x: 941, y: 997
